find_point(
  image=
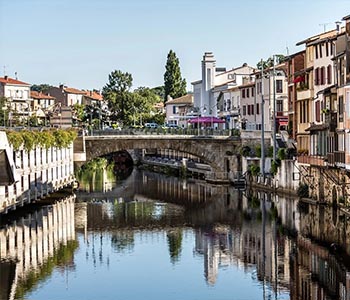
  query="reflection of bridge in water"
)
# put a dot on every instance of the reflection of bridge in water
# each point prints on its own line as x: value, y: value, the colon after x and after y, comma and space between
x: 30, y: 247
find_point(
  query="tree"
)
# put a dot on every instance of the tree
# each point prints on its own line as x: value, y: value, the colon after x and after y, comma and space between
x: 279, y: 58
x: 44, y: 87
x: 117, y: 93
x: 174, y: 85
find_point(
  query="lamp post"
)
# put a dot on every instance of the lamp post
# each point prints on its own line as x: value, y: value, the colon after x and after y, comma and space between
x: 274, y: 110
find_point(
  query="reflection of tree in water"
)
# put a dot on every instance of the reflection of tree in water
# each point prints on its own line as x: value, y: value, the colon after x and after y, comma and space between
x: 95, y: 174
x: 123, y: 241
x: 174, y: 238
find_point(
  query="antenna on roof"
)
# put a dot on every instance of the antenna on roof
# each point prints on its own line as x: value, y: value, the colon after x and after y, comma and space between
x: 324, y: 26
x: 4, y: 70
x: 16, y: 75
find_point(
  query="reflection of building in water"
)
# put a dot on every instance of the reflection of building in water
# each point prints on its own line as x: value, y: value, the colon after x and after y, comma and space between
x: 243, y: 248
x: 316, y: 274
x: 28, y: 244
x: 317, y: 271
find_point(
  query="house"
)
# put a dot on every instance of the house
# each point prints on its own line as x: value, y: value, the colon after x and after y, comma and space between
x: 298, y: 78
x: 18, y: 98
x: 67, y: 96
x: 92, y: 98
x: 178, y: 110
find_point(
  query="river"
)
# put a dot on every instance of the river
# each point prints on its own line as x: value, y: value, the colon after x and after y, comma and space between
x: 153, y: 236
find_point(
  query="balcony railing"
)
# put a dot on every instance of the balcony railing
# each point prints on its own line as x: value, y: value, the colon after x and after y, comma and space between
x: 313, y: 160
x: 336, y: 158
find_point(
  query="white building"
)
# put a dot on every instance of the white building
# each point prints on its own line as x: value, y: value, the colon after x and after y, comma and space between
x: 178, y: 109
x: 209, y: 91
x: 18, y: 97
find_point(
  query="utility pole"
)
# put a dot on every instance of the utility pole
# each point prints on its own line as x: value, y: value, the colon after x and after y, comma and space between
x: 262, y: 124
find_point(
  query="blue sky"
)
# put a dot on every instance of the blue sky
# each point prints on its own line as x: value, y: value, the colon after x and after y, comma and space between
x: 79, y: 42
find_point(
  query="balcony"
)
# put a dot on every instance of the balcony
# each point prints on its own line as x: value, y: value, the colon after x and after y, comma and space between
x: 303, y: 94
x: 336, y: 159
x: 312, y: 160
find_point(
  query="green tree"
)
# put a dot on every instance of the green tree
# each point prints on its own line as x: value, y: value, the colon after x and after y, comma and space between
x: 43, y: 87
x: 117, y: 93
x: 174, y: 85
x: 279, y: 58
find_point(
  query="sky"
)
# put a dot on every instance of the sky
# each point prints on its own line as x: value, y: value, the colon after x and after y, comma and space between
x: 80, y: 42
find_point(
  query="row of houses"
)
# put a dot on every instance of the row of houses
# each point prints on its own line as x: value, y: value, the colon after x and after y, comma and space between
x: 54, y: 105
x: 307, y: 96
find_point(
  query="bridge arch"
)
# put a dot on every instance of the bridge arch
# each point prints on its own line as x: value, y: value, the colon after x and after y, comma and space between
x: 217, y: 152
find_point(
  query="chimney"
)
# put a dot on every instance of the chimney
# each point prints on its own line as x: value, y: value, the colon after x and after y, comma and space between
x: 6, y: 77
x: 337, y: 24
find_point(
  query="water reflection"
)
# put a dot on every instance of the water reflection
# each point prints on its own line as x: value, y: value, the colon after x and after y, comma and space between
x: 33, y: 244
x: 154, y: 232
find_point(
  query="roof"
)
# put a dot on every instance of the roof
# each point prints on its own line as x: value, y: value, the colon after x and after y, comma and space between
x: 8, y: 80
x: 37, y: 95
x: 346, y: 17
x: 187, y: 99
x: 196, y: 82
x: 320, y: 37
x: 73, y: 91
x: 93, y: 95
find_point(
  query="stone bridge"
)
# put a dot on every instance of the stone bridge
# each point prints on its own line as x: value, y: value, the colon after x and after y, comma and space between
x: 221, y: 153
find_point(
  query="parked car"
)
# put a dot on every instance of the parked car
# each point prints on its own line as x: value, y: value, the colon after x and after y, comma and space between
x: 151, y: 125
x: 171, y: 126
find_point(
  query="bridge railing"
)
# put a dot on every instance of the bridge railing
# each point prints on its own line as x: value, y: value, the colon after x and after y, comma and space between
x: 166, y: 131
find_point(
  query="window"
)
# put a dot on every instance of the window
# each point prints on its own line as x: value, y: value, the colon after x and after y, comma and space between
x: 320, y: 50
x: 249, y: 110
x: 257, y: 108
x: 322, y: 76
x: 279, y: 87
x: 316, y: 51
x: 252, y: 109
x: 279, y: 106
x: 253, y: 91
x: 329, y: 74
x: 174, y: 109
x: 247, y: 93
x: 317, y: 111
x: 327, y: 48
x: 244, y: 110
x: 317, y: 79
x: 243, y: 93
x: 341, y: 108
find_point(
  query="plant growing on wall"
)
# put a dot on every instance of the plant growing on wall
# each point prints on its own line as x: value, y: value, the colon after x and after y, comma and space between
x: 46, y: 139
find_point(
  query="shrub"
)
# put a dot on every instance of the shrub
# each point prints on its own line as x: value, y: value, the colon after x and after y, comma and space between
x: 258, y: 150
x: 246, y: 151
x: 254, y: 170
x: 281, y: 154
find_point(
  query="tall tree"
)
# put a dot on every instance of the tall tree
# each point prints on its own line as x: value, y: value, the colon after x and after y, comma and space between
x: 174, y: 85
x: 117, y: 93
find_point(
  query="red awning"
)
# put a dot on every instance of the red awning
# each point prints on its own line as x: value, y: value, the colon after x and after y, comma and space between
x: 208, y: 120
x: 284, y: 123
x: 299, y: 79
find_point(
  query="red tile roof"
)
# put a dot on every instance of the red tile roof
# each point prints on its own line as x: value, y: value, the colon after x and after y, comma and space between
x: 93, y: 95
x: 37, y: 95
x: 73, y: 91
x: 8, y: 80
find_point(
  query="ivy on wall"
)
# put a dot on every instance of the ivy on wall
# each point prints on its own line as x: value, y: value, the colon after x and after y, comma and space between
x: 44, y: 139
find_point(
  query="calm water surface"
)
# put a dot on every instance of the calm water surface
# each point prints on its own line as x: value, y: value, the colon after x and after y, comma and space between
x: 157, y: 237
